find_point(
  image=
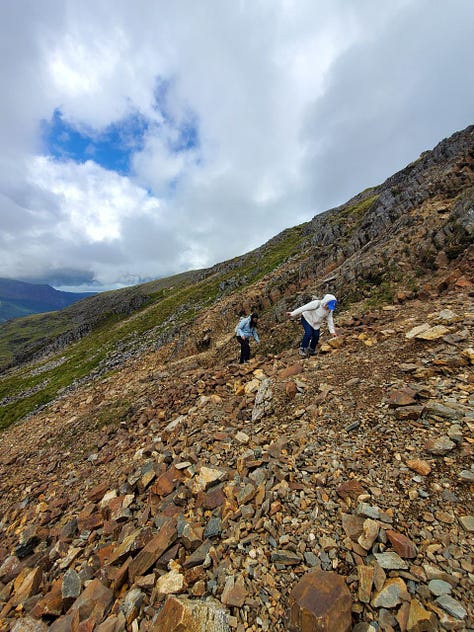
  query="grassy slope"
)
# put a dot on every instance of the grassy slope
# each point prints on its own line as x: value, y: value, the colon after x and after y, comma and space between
x: 169, y: 303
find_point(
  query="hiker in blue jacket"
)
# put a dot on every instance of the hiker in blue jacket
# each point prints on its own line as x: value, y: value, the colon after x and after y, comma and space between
x: 246, y: 329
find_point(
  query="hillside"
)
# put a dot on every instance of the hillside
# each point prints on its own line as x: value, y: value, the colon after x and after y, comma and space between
x: 161, y: 467
x: 18, y: 299
x: 397, y: 234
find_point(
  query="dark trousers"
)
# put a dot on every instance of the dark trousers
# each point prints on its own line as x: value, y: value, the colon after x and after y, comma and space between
x: 244, y: 349
x: 310, y: 337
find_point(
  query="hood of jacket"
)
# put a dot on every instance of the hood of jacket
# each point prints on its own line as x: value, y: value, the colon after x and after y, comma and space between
x: 326, y: 298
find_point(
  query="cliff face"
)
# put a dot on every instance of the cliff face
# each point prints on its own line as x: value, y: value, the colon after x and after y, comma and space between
x: 415, y: 222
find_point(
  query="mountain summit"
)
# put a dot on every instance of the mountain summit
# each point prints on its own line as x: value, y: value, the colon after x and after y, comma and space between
x: 149, y: 482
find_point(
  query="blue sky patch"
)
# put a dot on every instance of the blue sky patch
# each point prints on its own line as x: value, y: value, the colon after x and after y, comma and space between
x: 188, y: 137
x: 112, y: 148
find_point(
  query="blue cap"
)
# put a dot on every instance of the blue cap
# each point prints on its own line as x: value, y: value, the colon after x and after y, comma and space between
x: 331, y: 305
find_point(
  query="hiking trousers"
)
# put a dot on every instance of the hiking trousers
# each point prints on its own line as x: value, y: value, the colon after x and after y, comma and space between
x: 311, y: 336
x: 244, y: 349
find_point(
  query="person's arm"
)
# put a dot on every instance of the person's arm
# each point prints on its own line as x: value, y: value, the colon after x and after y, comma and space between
x: 255, y: 335
x: 331, y: 327
x: 304, y: 308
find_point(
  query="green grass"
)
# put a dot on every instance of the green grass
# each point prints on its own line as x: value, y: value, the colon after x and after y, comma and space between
x: 381, y: 295
x: 33, y: 330
x: 355, y: 213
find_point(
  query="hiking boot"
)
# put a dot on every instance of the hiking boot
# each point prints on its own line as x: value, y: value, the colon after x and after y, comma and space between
x: 303, y: 352
x: 311, y: 352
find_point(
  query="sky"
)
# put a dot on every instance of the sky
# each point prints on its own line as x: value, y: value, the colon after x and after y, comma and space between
x: 142, y: 139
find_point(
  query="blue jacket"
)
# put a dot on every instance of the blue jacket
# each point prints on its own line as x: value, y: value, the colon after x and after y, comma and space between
x: 243, y: 329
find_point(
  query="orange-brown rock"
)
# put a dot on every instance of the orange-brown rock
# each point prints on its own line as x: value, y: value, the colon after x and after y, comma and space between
x: 235, y: 592
x: 320, y: 602
x: 51, y: 603
x: 294, y: 369
x: 401, y: 544
x: 420, y: 619
x: 187, y: 615
x: 402, y: 397
x: 29, y: 586
x: 67, y: 623
x: 166, y: 482
x: 419, y: 466
x: 291, y: 390
x: 95, y: 597
x: 154, y: 549
x: 350, y: 489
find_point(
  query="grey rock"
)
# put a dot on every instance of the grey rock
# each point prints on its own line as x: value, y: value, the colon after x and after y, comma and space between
x: 439, y: 587
x: 467, y: 522
x: 466, y: 476
x: 391, y: 561
x: 439, y: 445
x: 366, y: 510
x: 452, y: 607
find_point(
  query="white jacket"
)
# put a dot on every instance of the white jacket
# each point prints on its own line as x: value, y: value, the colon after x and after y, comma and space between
x: 314, y: 313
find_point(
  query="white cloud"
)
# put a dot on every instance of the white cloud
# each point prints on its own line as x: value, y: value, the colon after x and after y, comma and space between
x: 297, y: 106
x: 93, y: 201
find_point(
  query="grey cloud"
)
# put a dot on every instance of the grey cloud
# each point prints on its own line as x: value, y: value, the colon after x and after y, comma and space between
x: 62, y: 277
x: 389, y: 98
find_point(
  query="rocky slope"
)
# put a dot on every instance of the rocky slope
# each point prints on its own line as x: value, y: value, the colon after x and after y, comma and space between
x: 182, y: 491
x: 205, y: 479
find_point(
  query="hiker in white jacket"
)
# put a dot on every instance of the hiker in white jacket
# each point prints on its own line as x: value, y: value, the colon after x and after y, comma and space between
x: 312, y: 316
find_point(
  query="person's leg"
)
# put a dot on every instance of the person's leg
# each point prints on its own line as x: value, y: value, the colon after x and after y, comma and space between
x: 244, y: 350
x: 308, y: 332
x: 314, y: 341
x: 240, y: 341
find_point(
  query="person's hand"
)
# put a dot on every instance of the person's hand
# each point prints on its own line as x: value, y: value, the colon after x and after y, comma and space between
x: 288, y: 314
x: 334, y: 335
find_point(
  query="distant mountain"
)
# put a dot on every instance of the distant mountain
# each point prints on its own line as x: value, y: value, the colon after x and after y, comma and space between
x: 18, y: 298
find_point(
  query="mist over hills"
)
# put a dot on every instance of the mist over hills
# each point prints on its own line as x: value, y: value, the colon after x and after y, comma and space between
x: 18, y: 298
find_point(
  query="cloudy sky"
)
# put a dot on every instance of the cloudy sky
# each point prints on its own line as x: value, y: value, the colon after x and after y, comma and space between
x: 143, y: 138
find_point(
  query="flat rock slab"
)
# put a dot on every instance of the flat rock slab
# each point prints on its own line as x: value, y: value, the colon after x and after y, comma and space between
x: 320, y: 601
